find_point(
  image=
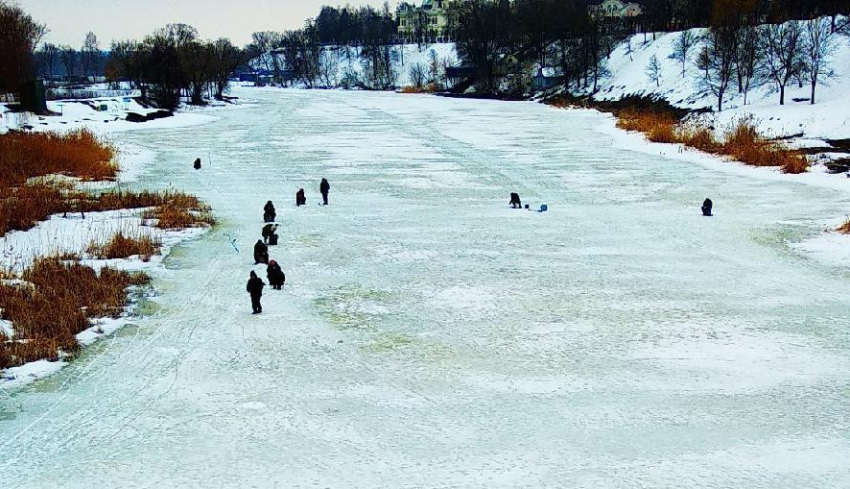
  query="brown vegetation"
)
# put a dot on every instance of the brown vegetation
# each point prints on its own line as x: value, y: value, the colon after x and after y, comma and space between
x: 742, y: 142
x: 429, y: 88
x: 180, y: 212
x: 121, y: 246
x: 55, y: 304
x: 78, y: 154
x: 844, y: 228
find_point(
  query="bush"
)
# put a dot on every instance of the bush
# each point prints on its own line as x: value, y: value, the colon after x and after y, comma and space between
x: 844, y: 228
x: 55, y: 304
x: 78, y: 154
x: 121, y: 246
x: 171, y: 216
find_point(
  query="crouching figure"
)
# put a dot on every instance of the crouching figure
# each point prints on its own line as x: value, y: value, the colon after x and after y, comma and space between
x: 261, y: 253
x: 269, y: 214
x: 706, y: 207
x: 277, y: 279
x: 515, y: 202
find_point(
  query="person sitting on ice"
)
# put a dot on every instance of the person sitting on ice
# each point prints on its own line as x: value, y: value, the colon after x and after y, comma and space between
x: 707, y: 207
x: 255, y: 288
x: 276, y: 277
x: 300, y: 199
x: 269, y: 213
x: 515, y: 202
x: 261, y: 253
x: 268, y: 231
x: 198, y: 164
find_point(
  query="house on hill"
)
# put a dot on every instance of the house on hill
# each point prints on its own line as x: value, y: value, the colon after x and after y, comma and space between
x: 430, y: 21
x: 615, y: 9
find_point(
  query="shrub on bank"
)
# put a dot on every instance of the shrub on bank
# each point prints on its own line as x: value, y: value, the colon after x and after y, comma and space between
x: 55, y: 302
x: 121, y: 246
x: 78, y: 154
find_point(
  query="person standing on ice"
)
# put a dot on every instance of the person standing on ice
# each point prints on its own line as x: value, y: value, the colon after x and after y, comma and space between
x: 325, y: 188
x: 255, y: 288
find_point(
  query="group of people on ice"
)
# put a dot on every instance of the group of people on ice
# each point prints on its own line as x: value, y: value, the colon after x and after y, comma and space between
x: 274, y: 274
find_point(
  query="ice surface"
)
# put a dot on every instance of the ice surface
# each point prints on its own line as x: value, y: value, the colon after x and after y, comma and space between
x: 429, y: 336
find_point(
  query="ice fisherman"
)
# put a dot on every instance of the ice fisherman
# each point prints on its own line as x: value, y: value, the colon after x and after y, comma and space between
x: 255, y: 288
x: 269, y: 230
x: 325, y: 189
x: 707, y: 206
x: 300, y: 199
x: 269, y: 213
x: 261, y: 253
x: 277, y: 279
x: 515, y: 202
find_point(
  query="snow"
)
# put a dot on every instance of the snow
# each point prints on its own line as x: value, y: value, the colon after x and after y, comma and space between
x: 81, y: 114
x: 348, y: 60
x: 429, y: 336
x: 825, y: 120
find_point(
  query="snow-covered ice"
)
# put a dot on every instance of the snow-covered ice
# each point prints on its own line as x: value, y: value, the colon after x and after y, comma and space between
x: 429, y: 336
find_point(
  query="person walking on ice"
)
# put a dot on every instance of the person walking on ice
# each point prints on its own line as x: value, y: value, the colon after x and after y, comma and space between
x: 325, y: 189
x: 255, y: 288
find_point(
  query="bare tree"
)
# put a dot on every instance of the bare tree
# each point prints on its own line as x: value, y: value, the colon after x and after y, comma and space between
x: 68, y: 55
x: 783, y: 50
x: 417, y: 75
x: 226, y: 58
x: 329, y: 67
x: 747, y: 59
x: 682, y: 48
x: 19, y: 36
x: 49, y: 57
x: 653, y: 70
x: 819, y: 46
x: 718, y: 61
x: 265, y: 44
x: 89, y: 54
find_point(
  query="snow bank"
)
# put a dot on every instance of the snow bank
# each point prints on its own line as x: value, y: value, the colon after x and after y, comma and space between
x: 828, y: 119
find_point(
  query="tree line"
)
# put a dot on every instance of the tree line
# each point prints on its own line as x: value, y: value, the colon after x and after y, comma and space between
x: 173, y: 62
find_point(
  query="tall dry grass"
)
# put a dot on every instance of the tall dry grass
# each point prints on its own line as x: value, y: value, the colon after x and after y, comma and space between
x: 123, y: 246
x: 78, y: 154
x: 56, y: 302
x: 742, y: 142
x: 21, y: 208
x: 178, y: 212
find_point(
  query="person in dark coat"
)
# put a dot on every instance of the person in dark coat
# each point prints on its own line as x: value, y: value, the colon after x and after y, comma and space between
x: 255, y: 288
x: 300, y: 199
x: 325, y: 188
x: 198, y: 164
x: 707, y: 207
x: 268, y: 231
x: 515, y: 202
x: 269, y: 213
x: 276, y: 277
x: 261, y: 252
x: 273, y: 239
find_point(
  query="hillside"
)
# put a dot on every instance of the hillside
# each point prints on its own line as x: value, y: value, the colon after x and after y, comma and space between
x: 827, y: 119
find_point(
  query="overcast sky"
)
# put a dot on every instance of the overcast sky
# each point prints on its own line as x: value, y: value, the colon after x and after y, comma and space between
x: 69, y: 20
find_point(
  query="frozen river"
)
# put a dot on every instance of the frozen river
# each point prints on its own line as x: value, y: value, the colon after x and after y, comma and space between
x: 429, y: 336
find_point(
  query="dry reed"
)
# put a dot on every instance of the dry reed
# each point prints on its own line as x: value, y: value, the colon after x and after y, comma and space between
x: 55, y: 303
